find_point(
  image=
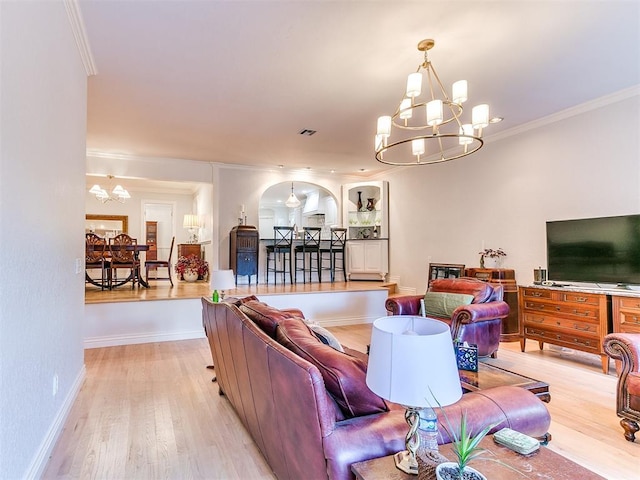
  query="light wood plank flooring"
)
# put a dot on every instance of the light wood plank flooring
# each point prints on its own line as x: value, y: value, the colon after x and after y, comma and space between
x: 151, y: 412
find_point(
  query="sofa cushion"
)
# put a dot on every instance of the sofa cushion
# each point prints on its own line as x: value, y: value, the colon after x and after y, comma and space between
x: 481, y: 291
x: 441, y: 304
x: 344, y: 376
x: 265, y: 316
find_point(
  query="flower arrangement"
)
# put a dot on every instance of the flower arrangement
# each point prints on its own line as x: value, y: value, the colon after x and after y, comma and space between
x: 192, y: 263
x: 491, y: 253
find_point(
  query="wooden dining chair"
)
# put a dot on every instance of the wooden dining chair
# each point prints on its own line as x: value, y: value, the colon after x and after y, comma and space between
x: 123, y: 258
x: 95, y: 258
x: 155, y: 264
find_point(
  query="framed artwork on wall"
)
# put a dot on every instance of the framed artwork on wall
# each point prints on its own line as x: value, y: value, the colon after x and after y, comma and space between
x: 444, y: 270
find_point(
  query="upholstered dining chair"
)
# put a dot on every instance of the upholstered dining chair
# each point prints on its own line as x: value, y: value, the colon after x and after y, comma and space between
x: 335, y: 253
x: 123, y: 259
x: 155, y: 264
x: 95, y: 259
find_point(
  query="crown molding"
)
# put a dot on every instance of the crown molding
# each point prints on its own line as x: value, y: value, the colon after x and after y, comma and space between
x: 568, y: 113
x: 80, y: 34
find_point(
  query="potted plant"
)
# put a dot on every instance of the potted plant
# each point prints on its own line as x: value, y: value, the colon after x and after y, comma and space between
x: 192, y: 268
x: 490, y: 258
x: 466, y: 448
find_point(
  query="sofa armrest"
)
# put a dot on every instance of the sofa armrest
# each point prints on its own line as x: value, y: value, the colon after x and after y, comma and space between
x: 478, y: 312
x: 624, y: 347
x: 404, y: 304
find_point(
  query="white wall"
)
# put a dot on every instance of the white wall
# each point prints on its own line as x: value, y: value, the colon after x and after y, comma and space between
x: 584, y: 166
x: 43, y: 90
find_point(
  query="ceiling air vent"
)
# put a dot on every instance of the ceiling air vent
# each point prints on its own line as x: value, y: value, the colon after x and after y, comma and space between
x: 306, y: 131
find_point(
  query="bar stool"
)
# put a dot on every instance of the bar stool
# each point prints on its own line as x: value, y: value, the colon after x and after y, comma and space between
x: 336, y: 247
x: 280, y: 254
x: 310, y: 248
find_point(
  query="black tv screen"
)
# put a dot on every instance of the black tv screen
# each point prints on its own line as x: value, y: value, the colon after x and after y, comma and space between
x: 595, y: 250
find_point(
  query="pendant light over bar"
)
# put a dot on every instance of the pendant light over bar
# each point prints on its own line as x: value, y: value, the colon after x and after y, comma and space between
x: 427, y: 127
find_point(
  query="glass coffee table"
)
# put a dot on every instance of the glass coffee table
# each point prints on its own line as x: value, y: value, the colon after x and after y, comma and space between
x: 489, y: 376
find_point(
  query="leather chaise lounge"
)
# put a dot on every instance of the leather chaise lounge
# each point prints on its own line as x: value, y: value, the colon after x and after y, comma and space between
x: 306, y: 404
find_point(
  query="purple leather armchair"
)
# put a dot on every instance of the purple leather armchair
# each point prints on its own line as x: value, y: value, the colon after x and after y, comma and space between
x: 479, y: 323
x: 625, y: 349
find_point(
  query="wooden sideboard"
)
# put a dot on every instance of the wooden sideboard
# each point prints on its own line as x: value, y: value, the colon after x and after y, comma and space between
x: 567, y: 318
x: 507, y: 278
x: 186, y: 249
x: 626, y: 314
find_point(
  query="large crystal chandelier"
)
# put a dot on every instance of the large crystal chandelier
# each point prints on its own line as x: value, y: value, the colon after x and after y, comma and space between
x: 427, y: 126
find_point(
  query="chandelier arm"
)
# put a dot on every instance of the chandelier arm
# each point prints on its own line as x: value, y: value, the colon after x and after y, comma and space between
x: 444, y: 92
x: 464, y: 153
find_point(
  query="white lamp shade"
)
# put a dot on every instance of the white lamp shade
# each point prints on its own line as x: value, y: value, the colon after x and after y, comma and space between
x: 222, y: 280
x: 191, y: 221
x: 405, y: 109
x: 379, y: 142
x: 466, y: 129
x: 414, y: 84
x: 416, y: 369
x: 95, y: 189
x: 292, y: 201
x: 480, y: 116
x: 384, y: 126
x: 459, y: 92
x: 417, y: 146
x: 434, y: 112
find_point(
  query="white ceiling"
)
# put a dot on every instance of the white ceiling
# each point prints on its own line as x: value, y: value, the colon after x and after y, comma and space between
x: 235, y: 81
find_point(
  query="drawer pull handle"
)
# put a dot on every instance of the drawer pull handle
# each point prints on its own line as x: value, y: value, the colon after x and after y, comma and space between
x: 636, y: 319
x: 538, y: 320
x: 581, y: 299
x: 584, y: 328
x: 586, y: 343
x: 584, y: 314
x: 536, y: 294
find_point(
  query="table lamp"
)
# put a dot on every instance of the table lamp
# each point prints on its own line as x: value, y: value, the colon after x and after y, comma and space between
x: 412, y: 362
x: 222, y: 280
x: 192, y: 223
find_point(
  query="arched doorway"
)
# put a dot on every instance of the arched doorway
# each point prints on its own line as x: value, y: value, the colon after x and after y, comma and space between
x: 318, y: 208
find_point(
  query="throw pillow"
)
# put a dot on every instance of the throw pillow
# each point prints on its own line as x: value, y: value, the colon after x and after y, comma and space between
x: 439, y: 304
x: 344, y: 376
x: 325, y: 336
x: 265, y: 316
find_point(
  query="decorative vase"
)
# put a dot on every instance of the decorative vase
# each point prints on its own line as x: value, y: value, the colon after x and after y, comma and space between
x: 371, y: 204
x: 190, y: 275
x: 359, y: 204
x: 449, y: 471
x: 492, y: 262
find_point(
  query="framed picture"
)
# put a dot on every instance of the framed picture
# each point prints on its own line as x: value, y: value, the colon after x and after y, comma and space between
x: 444, y: 270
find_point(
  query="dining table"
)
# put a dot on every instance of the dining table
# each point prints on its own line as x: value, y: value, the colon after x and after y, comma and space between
x: 136, y: 272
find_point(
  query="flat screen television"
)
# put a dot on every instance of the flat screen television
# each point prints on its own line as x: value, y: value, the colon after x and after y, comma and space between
x: 595, y: 250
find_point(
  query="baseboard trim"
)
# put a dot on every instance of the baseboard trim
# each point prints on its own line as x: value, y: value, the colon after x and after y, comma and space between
x: 40, y: 460
x: 117, y: 340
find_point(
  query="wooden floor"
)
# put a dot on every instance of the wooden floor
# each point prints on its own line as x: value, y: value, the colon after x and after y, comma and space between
x: 164, y: 291
x: 150, y: 411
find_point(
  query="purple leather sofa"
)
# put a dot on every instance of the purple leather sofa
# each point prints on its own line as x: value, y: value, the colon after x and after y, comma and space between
x: 309, y: 416
x: 478, y: 323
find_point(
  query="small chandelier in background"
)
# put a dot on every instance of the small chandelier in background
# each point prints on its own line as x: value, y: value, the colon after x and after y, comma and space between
x: 430, y: 130
x: 292, y: 201
x: 118, y: 193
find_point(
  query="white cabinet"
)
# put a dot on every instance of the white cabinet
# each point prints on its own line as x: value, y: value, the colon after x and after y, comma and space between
x: 366, y: 216
x: 367, y: 259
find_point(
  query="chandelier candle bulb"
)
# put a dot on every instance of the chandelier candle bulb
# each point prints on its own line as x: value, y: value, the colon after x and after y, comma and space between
x: 480, y: 116
x: 384, y: 126
x: 466, y: 129
x: 434, y: 112
x: 459, y: 92
x: 414, y: 84
x: 405, y: 109
x: 417, y: 146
